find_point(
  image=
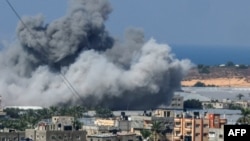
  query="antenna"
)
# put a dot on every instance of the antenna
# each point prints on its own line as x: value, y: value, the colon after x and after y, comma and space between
x: 69, y: 85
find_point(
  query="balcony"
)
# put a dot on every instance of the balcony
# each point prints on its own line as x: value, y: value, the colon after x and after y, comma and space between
x: 177, y: 119
x: 189, y: 129
x: 188, y: 120
x: 177, y: 129
x: 177, y: 137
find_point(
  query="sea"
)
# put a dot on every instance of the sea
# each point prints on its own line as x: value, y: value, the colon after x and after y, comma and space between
x: 212, y: 55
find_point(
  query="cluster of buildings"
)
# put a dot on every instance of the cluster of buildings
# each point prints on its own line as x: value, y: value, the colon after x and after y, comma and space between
x: 177, y: 124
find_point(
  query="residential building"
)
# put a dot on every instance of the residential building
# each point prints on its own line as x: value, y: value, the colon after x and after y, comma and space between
x: 59, y: 129
x: 12, y: 135
x: 106, y: 122
x: 56, y: 135
x: 164, y: 112
x: 215, y: 104
x: 195, y: 127
x: 216, y: 134
x: 177, y: 102
x: 242, y: 103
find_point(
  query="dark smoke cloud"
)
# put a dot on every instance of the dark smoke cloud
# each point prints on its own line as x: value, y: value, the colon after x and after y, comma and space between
x: 129, y: 73
x: 62, y: 40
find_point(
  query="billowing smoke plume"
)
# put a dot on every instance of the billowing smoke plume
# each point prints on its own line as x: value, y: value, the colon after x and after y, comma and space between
x: 130, y: 73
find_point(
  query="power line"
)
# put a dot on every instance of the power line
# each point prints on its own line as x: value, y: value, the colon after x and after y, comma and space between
x: 67, y: 82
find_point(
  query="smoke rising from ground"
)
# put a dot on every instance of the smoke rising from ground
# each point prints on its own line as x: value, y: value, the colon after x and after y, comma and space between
x: 124, y: 73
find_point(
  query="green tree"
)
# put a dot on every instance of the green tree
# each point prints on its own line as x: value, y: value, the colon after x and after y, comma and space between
x: 145, y: 134
x: 13, y: 112
x: 209, y: 106
x: 192, y: 104
x: 199, y: 84
x: 103, y: 112
x: 245, y: 119
x: 156, y: 128
x: 234, y: 107
x: 241, y: 66
x: 54, y: 111
x: 230, y: 64
x: 239, y: 96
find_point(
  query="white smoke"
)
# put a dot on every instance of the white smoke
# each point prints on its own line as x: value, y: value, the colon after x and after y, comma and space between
x: 132, y: 70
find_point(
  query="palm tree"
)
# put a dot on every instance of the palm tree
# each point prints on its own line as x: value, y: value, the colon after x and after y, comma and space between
x: 145, y: 134
x: 239, y: 96
x: 53, y: 111
x: 245, y: 119
x: 44, y: 113
x: 156, y: 128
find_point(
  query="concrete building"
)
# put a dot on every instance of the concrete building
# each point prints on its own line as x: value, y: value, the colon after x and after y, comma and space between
x: 119, y: 136
x: 164, y: 112
x: 177, y: 102
x: 216, y: 134
x: 59, y: 129
x: 12, y: 136
x: 242, y: 103
x: 195, y: 127
x: 105, y: 122
x: 48, y: 135
x: 216, y: 105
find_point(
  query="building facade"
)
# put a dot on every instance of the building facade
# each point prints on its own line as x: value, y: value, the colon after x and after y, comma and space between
x: 119, y: 136
x: 195, y: 127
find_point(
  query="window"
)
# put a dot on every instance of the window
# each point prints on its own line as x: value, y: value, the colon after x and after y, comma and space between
x: 177, y: 123
x: 78, y: 137
x: 53, y: 137
x: 189, y: 133
x: 168, y: 114
x: 188, y: 125
x: 197, y: 134
x: 60, y: 137
x: 177, y: 133
x: 205, y: 125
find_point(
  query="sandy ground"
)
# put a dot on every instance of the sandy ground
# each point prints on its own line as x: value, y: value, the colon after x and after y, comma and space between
x: 221, y: 82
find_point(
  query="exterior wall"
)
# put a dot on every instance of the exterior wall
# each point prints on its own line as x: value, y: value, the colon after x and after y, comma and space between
x: 125, y: 125
x: 243, y: 104
x: 177, y: 102
x: 216, y: 105
x: 65, y: 136
x: 102, y: 138
x: 105, y: 122
x: 43, y: 135
x: 195, y: 129
x: 63, y: 119
x: 112, y: 137
x: 216, y: 134
x: 215, y: 121
x: 30, y: 133
x: 12, y: 136
x: 97, y: 129
x: 164, y: 113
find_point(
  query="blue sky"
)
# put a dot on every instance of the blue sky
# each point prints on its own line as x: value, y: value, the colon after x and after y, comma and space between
x: 192, y: 23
